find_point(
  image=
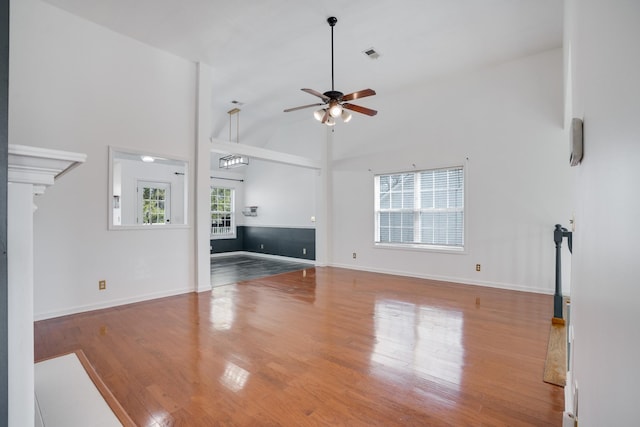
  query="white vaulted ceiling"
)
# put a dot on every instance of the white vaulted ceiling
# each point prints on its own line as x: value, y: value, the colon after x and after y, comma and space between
x: 263, y: 52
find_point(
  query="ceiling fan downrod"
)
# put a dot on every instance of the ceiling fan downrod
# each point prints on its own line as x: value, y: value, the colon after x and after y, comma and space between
x: 332, y: 20
x: 335, y: 102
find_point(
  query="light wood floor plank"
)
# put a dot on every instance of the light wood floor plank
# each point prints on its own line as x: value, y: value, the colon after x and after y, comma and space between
x: 322, y: 346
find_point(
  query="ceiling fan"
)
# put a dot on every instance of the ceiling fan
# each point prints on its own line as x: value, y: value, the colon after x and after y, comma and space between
x: 334, y: 103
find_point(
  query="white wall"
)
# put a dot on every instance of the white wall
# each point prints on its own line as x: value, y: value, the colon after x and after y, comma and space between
x: 76, y: 86
x: 505, y: 124
x: 285, y: 195
x: 603, y: 36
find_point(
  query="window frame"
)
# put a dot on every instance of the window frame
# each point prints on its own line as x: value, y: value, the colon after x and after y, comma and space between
x: 143, y: 184
x: 232, y: 234
x: 416, y: 211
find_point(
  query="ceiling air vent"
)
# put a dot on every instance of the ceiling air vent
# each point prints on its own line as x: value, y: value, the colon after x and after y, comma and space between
x: 371, y: 53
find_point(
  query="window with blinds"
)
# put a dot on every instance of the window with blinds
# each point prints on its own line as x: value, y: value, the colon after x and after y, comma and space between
x: 423, y: 208
x: 222, y: 213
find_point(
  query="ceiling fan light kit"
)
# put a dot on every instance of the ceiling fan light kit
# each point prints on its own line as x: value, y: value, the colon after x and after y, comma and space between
x: 334, y: 105
x: 335, y: 109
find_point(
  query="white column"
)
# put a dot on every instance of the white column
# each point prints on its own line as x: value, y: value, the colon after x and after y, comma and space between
x: 324, y: 203
x: 202, y: 182
x: 30, y: 171
x: 20, y: 303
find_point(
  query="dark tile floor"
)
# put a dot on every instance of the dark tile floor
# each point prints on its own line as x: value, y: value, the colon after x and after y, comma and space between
x: 236, y: 268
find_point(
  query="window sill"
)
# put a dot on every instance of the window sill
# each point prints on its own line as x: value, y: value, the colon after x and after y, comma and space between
x: 421, y: 248
x: 148, y: 227
x: 222, y: 237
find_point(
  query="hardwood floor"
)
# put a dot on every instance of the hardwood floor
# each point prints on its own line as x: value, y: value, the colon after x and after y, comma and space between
x: 237, y: 267
x: 322, y: 346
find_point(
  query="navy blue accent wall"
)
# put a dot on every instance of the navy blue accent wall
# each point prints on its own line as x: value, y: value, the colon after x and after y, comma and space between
x: 281, y: 241
x: 289, y: 242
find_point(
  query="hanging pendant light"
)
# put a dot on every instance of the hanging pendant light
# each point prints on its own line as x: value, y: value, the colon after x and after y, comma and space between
x: 233, y: 160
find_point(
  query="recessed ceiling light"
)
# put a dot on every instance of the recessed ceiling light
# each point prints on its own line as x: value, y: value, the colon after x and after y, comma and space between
x: 371, y: 53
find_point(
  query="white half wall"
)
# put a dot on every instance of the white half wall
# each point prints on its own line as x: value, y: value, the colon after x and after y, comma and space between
x: 505, y: 125
x: 77, y: 86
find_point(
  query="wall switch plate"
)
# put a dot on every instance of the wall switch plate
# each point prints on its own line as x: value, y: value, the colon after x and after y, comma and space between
x: 261, y: 245
x: 354, y: 255
x: 304, y: 251
x: 102, y: 285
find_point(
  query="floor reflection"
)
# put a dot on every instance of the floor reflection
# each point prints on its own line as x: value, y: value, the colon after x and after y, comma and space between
x: 222, y: 312
x: 234, y: 377
x: 418, y: 339
x: 321, y: 346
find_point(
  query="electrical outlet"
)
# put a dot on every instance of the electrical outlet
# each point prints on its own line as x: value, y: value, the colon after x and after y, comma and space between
x: 477, y: 267
x: 261, y: 245
x: 354, y: 255
x: 102, y: 285
x: 304, y: 251
x: 572, y: 221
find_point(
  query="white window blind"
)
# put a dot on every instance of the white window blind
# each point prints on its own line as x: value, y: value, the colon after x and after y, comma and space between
x: 421, y: 208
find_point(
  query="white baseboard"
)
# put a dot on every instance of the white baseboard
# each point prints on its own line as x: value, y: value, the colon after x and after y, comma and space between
x: 260, y: 255
x: 111, y: 303
x: 498, y: 285
x: 156, y: 295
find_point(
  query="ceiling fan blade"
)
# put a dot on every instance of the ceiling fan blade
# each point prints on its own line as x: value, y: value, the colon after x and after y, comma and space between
x: 316, y: 93
x: 359, y: 94
x: 302, y: 106
x: 326, y: 116
x: 359, y: 109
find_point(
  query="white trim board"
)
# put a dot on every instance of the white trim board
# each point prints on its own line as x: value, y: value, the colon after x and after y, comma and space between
x: 66, y: 396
